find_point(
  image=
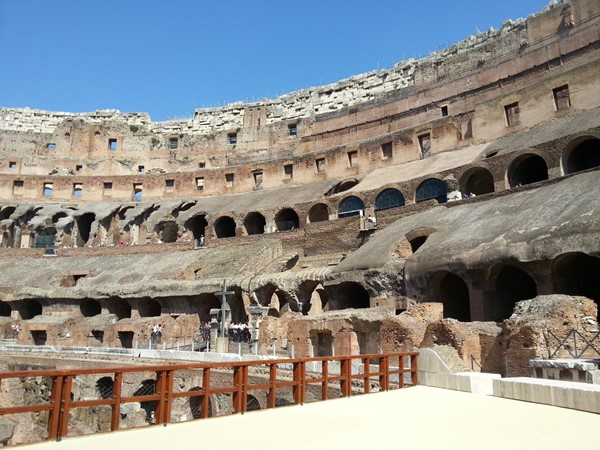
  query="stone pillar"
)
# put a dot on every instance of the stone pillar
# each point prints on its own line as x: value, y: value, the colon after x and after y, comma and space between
x: 256, y: 314
x: 214, y: 328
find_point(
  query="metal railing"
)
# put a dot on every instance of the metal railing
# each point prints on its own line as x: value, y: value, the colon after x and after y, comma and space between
x: 574, y: 344
x: 174, y: 393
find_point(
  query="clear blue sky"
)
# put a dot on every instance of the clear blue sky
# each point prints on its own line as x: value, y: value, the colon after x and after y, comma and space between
x: 166, y: 57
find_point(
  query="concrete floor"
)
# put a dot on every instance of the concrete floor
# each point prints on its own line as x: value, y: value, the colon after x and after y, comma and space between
x: 415, y: 418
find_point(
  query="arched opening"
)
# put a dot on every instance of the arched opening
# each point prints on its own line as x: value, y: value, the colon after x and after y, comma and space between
x: 105, y: 387
x: 418, y: 237
x: 84, y: 226
x: 478, y: 181
x: 347, y: 295
x: 453, y: 293
x: 316, y: 302
x: 527, y: 169
x: 318, y: 213
x: 119, y: 307
x: 342, y: 186
x: 351, y: 206
x: 252, y: 403
x: 577, y: 274
x: 287, y: 219
x: 167, y: 231
x: 206, y: 302
x: 30, y: 309
x: 148, y: 387
x: 90, y: 308
x: 509, y: 285
x: 59, y: 215
x: 225, y: 227
x: 197, y: 225
x: 5, y: 309
x: 432, y: 188
x: 6, y: 212
x: 196, y: 404
x: 389, y: 198
x: 255, y: 223
x: 149, y: 308
x: 585, y: 155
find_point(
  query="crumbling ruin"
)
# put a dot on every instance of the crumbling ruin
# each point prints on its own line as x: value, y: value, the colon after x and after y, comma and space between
x: 480, y: 164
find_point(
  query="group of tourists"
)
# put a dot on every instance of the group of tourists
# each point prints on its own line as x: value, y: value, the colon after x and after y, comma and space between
x: 156, y: 334
x: 239, y: 332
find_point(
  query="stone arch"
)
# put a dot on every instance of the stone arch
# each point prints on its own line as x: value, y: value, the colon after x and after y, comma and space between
x: 167, y: 231
x: 389, y: 198
x: 84, y: 227
x: 342, y: 186
x: 432, y: 188
x: 477, y: 180
x: 205, y: 302
x: 120, y: 307
x: 5, y: 309
x: 105, y: 387
x: 271, y: 296
x: 30, y: 309
x: 351, y: 206
x: 254, y: 223
x: 147, y: 387
x: 577, y: 274
x: 526, y: 169
x: 252, y: 403
x: 225, y: 227
x: 418, y: 237
x: 149, y: 308
x: 287, y: 219
x: 59, y: 215
x: 197, y: 225
x: 195, y: 403
x: 6, y: 212
x: 236, y: 305
x: 318, y: 213
x: 581, y: 154
x: 90, y: 307
x: 348, y: 294
x: 314, y: 298
x: 453, y: 293
x: 509, y: 285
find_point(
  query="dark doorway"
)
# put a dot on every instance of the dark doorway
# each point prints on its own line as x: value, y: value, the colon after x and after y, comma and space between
x: 347, y: 295
x: 149, y: 308
x: 511, y: 285
x: 225, y: 227
x: 5, y: 309
x: 477, y: 181
x: 584, y: 156
x: 527, y: 169
x: 255, y: 223
x: 90, y: 308
x: 125, y: 338
x: 39, y: 337
x: 287, y: 219
x: 119, y: 307
x: 453, y: 293
x: 197, y: 225
x: 105, y: 387
x: 30, y: 309
x: 577, y: 274
x: 318, y: 213
x: 322, y: 343
x: 84, y: 226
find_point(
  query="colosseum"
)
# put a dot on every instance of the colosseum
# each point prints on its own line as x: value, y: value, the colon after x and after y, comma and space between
x: 446, y: 201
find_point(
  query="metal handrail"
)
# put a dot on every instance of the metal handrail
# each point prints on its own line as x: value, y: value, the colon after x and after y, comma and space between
x: 354, y: 371
x: 573, y: 337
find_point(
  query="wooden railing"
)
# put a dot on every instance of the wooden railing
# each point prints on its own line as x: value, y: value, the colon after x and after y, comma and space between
x: 201, y: 389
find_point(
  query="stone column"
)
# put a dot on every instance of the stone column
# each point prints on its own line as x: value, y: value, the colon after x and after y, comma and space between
x: 256, y: 314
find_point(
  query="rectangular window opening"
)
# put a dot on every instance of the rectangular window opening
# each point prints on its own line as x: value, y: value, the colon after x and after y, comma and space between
x: 320, y: 164
x: 112, y: 144
x: 562, y: 99
x: 137, y: 192
x: 78, y: 168
x: 200, y: 183
x: 387, y: 150
x: 232, y: 138
x: 425, y: 145
x: 141, y: 169
x: 173, y: 143
x: 51, y: 146
x: 18, y: 187
x: 288, y: 171
x: 353, y: 158
x: 512, y: 114
x: 202, y: 165
x: 258, y: 179
x: 169, y: 185
x: 48, y: 189
x: 12, y: 164
x: 293, y: 130
x: 77, y: 189
x: 229, y: 180
x: 444, y: 110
